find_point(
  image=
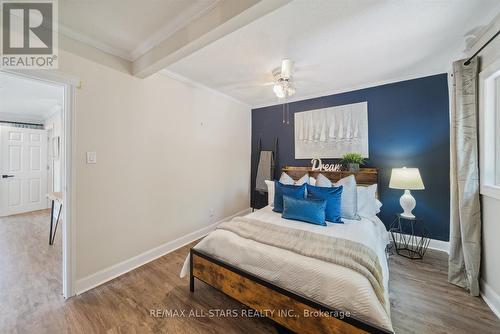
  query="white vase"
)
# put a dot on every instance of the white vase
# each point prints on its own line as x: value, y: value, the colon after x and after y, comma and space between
x: 408, y: 203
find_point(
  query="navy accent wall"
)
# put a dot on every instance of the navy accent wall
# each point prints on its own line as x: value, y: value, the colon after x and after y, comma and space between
x: 408, y: 125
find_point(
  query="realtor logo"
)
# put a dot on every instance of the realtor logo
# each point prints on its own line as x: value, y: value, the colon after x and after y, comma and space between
x: 29, y: 34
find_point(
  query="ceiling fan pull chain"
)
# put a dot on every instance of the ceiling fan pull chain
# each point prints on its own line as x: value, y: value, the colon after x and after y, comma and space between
x: 283, y: 113
x: 288, y: 113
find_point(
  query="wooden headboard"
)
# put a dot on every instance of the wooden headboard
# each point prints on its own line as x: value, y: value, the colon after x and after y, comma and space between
x: 365, y: 176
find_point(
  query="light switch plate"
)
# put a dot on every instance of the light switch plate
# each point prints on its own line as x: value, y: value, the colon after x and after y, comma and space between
x: 91, y: 157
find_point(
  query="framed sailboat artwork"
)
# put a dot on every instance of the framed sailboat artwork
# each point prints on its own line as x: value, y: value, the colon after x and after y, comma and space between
x: 332, y: 132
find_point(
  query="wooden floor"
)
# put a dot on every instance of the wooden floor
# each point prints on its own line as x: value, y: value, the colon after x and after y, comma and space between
x: 31, y: 302
x: 422, y: 300
x: 30, y: 270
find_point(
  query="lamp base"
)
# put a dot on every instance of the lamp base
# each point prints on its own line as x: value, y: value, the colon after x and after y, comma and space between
x: 408, y: 203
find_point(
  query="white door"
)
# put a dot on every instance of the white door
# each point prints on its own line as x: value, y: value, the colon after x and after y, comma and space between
x: 23, y: 170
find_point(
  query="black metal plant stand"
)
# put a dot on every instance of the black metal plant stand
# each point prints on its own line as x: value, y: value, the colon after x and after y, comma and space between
x: 411, y: 237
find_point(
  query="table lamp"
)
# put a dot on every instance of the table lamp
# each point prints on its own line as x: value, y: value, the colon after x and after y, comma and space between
x: 406, y: 179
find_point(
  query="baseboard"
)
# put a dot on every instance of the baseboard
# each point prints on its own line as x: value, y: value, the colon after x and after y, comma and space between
x: 443, y: 246
x: 123, y: 267
x: 490, y: 297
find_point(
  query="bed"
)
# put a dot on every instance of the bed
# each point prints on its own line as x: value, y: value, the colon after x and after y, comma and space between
x: 302, y: 293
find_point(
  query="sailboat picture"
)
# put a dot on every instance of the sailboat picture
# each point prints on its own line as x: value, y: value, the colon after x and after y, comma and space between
x: 332, y: 132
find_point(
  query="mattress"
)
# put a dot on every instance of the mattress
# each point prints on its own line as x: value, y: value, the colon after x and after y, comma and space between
x: 339, y: 287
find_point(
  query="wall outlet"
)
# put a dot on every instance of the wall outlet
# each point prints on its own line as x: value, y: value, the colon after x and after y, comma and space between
x: 211, y: 212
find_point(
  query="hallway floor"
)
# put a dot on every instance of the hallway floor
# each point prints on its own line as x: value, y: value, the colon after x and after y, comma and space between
x: 30, y: 269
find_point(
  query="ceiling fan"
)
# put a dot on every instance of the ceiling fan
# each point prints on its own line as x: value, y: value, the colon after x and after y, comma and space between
x: 283, y: 81
x: 283, y: 85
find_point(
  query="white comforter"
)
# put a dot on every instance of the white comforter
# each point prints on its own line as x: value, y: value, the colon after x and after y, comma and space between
x: 336, y: 286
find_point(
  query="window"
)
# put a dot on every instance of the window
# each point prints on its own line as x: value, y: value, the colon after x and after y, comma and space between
x: 489, y: 130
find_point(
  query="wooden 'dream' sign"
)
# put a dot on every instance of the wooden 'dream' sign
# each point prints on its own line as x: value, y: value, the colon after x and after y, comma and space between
x: 365, y: 176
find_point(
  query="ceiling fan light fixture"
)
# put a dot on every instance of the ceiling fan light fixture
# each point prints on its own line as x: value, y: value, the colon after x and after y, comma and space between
x: 279, y: 90
x: 286, y: 68
x: 283, y: 86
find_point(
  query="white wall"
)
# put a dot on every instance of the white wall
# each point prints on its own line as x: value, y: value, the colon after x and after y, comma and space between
x: 167, y: 153
x: 490, y: 267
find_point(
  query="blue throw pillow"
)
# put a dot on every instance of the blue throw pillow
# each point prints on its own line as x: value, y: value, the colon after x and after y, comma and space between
x: 303, y: 209
x: 281, y: 190
x: 333, y: 198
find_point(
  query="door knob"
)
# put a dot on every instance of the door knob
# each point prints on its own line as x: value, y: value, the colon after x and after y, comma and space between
x: 6, y: 176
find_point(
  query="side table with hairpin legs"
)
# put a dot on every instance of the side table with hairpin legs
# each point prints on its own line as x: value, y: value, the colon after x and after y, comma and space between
x: 55, y: 197
x: 410, y: 236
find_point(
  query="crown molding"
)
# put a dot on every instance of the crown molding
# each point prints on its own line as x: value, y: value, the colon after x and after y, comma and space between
x: 50, y: 77
x: 348, y: 89
x: 181, y: 78
x: 68, y: 32
x: 185, y: 18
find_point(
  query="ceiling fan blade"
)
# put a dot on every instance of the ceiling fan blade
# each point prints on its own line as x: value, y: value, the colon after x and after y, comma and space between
x: 308, y: 82
x: 246, y: 85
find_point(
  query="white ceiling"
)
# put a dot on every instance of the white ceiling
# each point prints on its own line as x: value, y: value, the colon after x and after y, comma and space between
x: 127, y: 28
x: 337, y: 46
x: 27, y: 100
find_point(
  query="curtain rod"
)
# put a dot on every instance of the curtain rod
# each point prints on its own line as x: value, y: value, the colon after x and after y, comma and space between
x: 21, y: 123
x: 467, y: 62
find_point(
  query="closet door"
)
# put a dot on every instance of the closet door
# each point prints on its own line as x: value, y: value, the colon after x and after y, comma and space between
x: 23, y: 170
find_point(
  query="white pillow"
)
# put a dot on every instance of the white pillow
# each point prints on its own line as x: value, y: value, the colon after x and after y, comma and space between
x: 323, y: 181
x: 312, y: 181
x: 302, y: 180
x: 368, y: 205
x: 270, y: 192
x: 286, y: 179
x: 349, y: 205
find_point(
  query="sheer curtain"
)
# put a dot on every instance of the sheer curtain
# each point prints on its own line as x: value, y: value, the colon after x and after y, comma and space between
x: 465, y: 225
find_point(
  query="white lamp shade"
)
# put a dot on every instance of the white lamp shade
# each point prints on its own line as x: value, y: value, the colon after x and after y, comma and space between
x: 406, y: 178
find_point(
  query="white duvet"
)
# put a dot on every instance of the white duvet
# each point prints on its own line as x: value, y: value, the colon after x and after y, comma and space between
x: 333, y: 285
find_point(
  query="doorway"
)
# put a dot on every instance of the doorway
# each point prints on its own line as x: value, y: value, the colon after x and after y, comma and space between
x: 23, y: 167
x: 36, y: 161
